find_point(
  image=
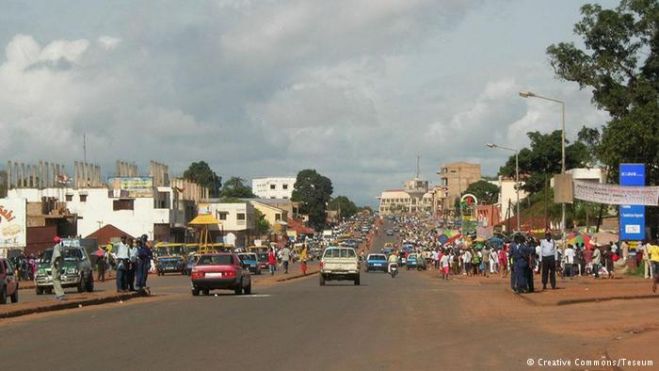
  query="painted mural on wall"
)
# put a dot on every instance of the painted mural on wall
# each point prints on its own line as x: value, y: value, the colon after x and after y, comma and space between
x: 13, y: 223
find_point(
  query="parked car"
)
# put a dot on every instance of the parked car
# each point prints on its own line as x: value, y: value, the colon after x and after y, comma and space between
x: 415, y: 261
x: 8, y: 282
x: 251, y: 261
x: 170, y: 264
x: 76, y: 270
x: 376, y: 262
x: 222, y: 271
x: 263, y: 261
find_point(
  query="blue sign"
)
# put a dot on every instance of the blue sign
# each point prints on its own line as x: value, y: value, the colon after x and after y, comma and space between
x: 632, y: 217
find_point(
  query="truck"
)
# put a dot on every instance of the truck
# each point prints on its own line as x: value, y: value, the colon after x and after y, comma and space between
x: 339, y: 263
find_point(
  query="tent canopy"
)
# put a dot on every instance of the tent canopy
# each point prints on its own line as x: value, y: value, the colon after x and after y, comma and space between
x: 204, y: 219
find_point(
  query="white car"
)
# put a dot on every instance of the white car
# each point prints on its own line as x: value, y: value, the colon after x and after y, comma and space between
x: 339, y: 264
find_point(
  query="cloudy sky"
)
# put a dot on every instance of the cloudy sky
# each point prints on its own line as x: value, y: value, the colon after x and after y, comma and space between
x: 353, y: 88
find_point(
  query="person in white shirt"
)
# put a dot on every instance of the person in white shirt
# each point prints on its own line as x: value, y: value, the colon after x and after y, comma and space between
x: 548, y: 261
x: 568, y: 257
x: 122, y: 265
x: 466, y: 258
x: 494, y: 261
x: 444, y: 265
x: 435, y: 259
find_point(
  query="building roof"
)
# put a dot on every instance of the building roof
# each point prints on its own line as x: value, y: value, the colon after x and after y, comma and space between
x: 299, y: 227
x: 107, y: 233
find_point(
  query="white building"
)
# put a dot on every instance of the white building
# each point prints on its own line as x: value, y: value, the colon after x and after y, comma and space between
x: 508, y: 196
x: 273, y: 188
x: 97, y: 207
x: 415, y: 197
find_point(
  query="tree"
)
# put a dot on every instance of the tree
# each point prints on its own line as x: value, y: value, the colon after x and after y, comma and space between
x: 344, y: 205
x: 262, y: 225
x: 313, y: 191
x: 620, y: 63
x: 486, y: 192
x: 202, y: 174
x: 538, y: 163
x: 235, y: 188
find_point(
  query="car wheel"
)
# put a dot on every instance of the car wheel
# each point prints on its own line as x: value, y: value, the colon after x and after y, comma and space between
x: 90, y: 283
x: 38, y: 290
x: 81, y: 284
x: 248, y: 290
x: 3, y: 296
x: 14, y: 296
x: 322, y: 280
x: 357, y: 281
x: 239, y: 290
x: 207, y: 292
x: 49, y: 290
x: 408, y: 268
x: 195, y: 292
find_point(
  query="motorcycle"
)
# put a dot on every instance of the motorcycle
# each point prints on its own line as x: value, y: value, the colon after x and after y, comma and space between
x: 393, y: 270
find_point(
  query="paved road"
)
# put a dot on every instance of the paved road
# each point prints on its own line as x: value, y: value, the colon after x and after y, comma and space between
x: 410, y: 322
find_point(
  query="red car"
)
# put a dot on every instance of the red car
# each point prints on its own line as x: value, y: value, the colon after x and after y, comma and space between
x: 8, y: 282
x: 220, y: 272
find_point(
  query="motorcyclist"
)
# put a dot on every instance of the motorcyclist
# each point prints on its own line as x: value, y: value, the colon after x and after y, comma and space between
x: 393, y: 260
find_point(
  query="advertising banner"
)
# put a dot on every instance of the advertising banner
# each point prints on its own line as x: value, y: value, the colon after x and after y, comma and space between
x: 136, y: 187
x: 616, y: 195
x: 13, y: 223
x: 632, y: 215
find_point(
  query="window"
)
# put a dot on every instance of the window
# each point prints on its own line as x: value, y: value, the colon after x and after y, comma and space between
x: 83, y: 198
x: 285, y: 186
x: 223, y: 215
x: 69, y: 198
x: 272, y: 186
x: 123, y: 205
x: 240, y: 216
x: 215, y: 260
x: 277, y: 216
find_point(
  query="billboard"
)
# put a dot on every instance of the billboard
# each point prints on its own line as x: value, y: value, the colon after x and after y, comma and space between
x: 13, y: 226
x: 632, y: 217
x: 136, y: 187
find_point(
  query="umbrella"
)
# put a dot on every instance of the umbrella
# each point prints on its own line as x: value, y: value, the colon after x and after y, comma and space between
x: 100, y: 252
x: 578, y: 238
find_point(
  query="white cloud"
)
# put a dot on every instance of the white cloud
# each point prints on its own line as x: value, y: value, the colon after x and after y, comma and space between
x: 109, y: 42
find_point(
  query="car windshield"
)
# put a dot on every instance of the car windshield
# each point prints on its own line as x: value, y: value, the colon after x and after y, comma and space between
x: 67, y: 254
x: 340, y: 253
x: 263, y: 256
x: 247, y: 257
x: 215, y: 260
x: 377, y: 257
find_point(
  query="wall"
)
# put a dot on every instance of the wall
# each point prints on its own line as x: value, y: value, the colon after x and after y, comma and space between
x: 262, y: 187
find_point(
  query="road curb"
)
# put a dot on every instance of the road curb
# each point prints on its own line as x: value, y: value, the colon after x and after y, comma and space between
x: 297, y: 276
x: 57, y: 306
x: 584, y: 301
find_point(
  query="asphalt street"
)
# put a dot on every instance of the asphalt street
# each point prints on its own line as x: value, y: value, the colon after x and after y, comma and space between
x: 410, y: 322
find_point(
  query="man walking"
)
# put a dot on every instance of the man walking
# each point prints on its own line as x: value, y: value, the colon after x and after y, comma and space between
x: 56, y: 270
x: 285, y: 258
x: 548, y: 261
x: 132, y: 264
x: 653, y: 251
x: 122, y: 265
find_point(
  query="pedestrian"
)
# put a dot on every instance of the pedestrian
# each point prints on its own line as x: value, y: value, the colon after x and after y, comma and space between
x: 132, y: 264
x: 444, y: 264
x: 608, y: 260
x: 486, y: 260
x: 100, y: 264
x: 272, y: 261
x: 304, y: 256
x: 548, y: 261
x: 653, y: 251
x: 568, y: 256
x: 466, y: 258
x: 503, y: 261
x: 56, y: 266
x: 142, y: 269
x: 647, y: 265
x: 122, y: 261
x: 597, y: 259
x: 520, y: 258
x: 285, y: 257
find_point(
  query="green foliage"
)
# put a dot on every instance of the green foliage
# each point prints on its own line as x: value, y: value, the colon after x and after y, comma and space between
x: 262, y: 225
x: 313, y: 191
x: 544, y: 159
x: 486, y: 192
x: 620, y: 63
x: 344, y: 205
x: 202, y: 174
x: 235, y: 187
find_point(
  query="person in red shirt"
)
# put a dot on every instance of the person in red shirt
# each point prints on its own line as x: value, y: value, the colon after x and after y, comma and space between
x: 272, y: 261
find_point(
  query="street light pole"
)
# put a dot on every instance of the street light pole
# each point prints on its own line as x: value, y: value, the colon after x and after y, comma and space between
x: 517, y: 213
x: 528, y: 94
